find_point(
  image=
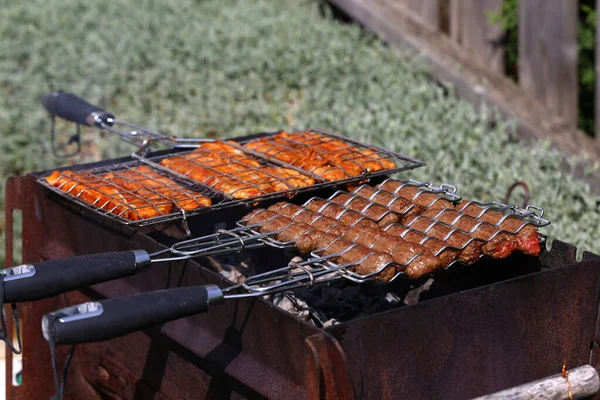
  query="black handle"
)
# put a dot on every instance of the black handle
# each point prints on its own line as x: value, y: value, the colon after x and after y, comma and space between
x: 49, y: 278
x: 107, y: 319
x: 75, y: 109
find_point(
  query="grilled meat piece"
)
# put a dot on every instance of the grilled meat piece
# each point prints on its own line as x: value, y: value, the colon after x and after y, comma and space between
x: 497, y: 244
x: 228, y: 169
x: 371, y: 210
x: 149, y: 184
x: 470, y: 248
x: 418, y: 260
x: 305, y: 159
x: 437, y: 247
x: 306, y: 216
x: 342, y: 153
x: 395, y: 203
x: 339, y: 213
x: 367, y: 261
x: 322, y: 155
x: 135, y: 194
x: 525, y: 233
x: 415, y: 194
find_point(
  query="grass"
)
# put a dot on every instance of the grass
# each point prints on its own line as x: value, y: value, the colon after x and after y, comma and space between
x: 226, y: 68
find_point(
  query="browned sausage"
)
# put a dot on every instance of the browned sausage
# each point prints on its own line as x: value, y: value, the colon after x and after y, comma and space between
x: 526, y: 234
x: 392, y: 202
x: 337, y: 212
x: 371, y: 210
x: 415, y: 194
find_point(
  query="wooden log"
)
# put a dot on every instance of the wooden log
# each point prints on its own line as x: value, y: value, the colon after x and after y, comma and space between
x: 548, y: 54
x: 583, y: 382
x: 470, y: 26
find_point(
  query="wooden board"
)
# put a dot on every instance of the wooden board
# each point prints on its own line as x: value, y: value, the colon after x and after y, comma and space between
x: 470, y: 26
x: 548, y: 54
x: 426, y: 11
x: 472, y: 81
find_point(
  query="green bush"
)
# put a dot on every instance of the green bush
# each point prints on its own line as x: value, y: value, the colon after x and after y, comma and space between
x: 228, y: 68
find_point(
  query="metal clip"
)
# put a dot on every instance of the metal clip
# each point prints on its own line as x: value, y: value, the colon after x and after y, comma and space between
x: 76, y: 138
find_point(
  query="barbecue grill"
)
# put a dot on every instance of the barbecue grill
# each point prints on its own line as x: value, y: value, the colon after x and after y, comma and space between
x: 497, y: 322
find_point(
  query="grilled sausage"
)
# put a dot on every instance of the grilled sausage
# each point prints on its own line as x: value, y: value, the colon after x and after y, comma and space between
x: 497, y: 244
x: 373, y: 211
x: 369, y: 262
x: 392, y: 202
x: 337, y: 212
x: 365, y: 261
x: 526, y: 234
x: 416, y: 258
x: 469, y: 248
x: 415, y: 194
x: 437, y: 247
x: 301, y: 214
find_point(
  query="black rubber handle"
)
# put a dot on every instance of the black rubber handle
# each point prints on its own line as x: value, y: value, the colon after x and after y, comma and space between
x: 107, y: 319
x: 75, y: 109
x: 50, y: 278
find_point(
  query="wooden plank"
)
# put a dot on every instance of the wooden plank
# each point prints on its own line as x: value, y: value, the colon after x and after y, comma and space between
x: 472, y: 81
x: 548, y: 54
x: 426, y: 11
x: 470, y: 26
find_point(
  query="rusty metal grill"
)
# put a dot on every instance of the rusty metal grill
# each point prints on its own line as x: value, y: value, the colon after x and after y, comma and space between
x: 248, y: 174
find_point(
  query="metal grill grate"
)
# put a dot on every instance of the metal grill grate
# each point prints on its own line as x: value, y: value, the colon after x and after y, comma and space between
x: 329, y: 156
x: 225, y: 172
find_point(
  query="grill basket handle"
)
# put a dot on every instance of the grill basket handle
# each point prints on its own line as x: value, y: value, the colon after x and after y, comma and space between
x: 75, y: 109
x: 107, y: 319
x: 31, y: 282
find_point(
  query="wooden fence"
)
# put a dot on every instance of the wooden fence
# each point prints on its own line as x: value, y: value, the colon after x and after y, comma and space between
x: 547, y: 58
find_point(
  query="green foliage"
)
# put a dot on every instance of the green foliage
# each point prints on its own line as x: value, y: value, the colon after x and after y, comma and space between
x: 231, y: 68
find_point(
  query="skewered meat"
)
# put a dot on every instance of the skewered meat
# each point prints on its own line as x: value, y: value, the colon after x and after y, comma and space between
x: 395, y: 203
x: 306, y: 216
x: 228, y: 169
x: 373, y: 211
x: 497, y: 244
x: 437, y: 247
x: 321, y: 155
x: 526, y: 233
x: 337, y: 212
x: 415, y: 194
x: 418, y: 260
x: 305, y: 159
x: 360, y: 259
x: 136, y: 193
x: 367, y: 160
x: 348, y: 253
x: 469, y: 247
x: 149, y: 184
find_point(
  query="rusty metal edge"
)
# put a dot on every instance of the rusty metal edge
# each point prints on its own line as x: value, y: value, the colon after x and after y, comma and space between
x: 326, y: 370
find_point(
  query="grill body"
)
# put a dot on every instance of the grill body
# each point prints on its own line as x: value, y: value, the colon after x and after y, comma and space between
x: 485, y: 329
